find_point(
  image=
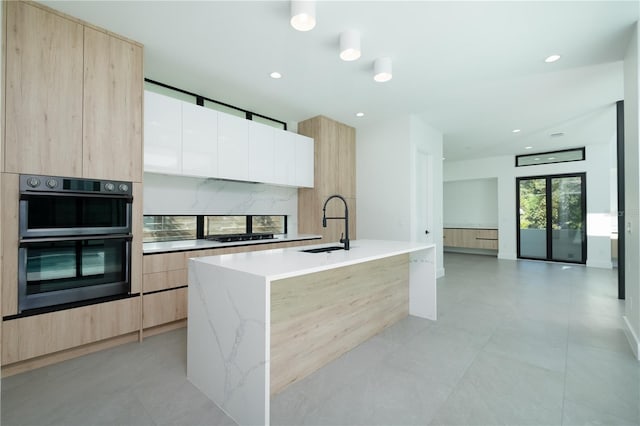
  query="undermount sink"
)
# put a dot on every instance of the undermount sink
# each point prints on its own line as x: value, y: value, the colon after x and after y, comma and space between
x: 323, y: 249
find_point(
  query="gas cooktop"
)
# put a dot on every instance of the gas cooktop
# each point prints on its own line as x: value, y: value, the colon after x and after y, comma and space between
x: 228, y: 238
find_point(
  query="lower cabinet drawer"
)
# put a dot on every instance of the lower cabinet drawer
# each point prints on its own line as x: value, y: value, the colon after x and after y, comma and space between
x: 164, y: 307
x: 29, y: 337
x: 164, y: 280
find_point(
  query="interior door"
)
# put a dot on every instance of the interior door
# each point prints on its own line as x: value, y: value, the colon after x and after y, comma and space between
x: 424, y: 198
x: 552, y: 218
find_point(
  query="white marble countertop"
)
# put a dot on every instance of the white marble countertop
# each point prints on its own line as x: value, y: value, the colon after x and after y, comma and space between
x: 186, y: 245
x: 290, y: 262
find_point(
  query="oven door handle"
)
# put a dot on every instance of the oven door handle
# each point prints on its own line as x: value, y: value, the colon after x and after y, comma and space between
x: 37, y: 194
x: 27, y: 241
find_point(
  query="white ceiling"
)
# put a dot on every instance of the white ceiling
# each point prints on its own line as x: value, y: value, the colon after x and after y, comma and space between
x: 474, y: 70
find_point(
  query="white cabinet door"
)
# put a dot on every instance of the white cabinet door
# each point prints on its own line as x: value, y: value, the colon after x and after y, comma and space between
x: 261, y: 152
x: 284, y: 158
x: 162, y: 134
x: 199, y: 141
x: 304, y: 161
x: 233, y: 147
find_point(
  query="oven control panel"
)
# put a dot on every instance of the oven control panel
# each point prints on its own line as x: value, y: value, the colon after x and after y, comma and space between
x: 77, y: 185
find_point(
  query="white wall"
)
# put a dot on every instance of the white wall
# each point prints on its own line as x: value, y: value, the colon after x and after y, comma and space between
x: 382, y: 180
x: 471, y: 203
x: 385, y: 171
x: 599, y: 215
x: 178, y: 195
x: 632, y: 194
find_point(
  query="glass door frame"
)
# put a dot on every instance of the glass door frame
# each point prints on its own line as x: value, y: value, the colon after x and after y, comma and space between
x: 549, y: 207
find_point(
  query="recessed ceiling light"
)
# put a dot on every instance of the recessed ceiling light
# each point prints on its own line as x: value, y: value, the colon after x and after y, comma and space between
x: 552, y: 158
x: 515, y: 131
x: 552, y: 58
x: 537, y: 159
x: 528, y: 147
x: 359, y: 114
x: 557, y: 135
x: 275, y: 74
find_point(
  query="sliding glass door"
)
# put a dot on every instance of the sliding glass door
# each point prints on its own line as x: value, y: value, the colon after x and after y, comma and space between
x: 552, y: 217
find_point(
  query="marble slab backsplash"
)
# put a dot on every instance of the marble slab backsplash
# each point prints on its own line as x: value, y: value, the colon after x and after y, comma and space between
x: 180, y: 195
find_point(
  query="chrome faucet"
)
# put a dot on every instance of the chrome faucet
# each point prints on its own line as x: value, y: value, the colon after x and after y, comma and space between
x: 344, y: 238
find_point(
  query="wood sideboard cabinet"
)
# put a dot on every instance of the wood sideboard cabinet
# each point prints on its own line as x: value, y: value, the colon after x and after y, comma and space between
x: 473, y: 238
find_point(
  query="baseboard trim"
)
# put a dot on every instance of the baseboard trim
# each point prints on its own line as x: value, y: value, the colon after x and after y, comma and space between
x: 56, y: 357
x: 632, y: 337
x: 466, y: 250
x: 507, y: 256
x: 602, y: 264
x: 159, y: 329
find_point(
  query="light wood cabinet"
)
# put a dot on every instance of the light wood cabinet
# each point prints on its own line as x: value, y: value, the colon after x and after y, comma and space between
x: 9, y: 220
x: 164, y: 307
x: 136, y: 243
x: 334, y: 148
x: 74, y: 98
x: 112, y: 129
x: 471, y: 238
x: 73, y: 95
x: 166, y: 277
x: 44, y: 79
x: 30, y: 337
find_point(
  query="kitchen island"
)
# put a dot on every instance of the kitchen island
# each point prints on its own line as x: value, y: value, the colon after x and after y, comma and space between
x: 260, y: 321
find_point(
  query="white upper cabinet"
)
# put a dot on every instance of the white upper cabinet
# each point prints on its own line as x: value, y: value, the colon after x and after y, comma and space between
x: 182, y: 138
x: 233, y: 147
x: 199, y: 141
x: 162, y: 134
x: 261, y: 152
x: 304, y: 161
x: 284, y: 158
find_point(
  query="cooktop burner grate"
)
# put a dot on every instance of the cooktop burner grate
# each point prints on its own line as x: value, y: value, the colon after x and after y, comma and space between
x: 229, y: 238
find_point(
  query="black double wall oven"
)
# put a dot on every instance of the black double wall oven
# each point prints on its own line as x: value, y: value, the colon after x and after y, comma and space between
x: 75, y: 241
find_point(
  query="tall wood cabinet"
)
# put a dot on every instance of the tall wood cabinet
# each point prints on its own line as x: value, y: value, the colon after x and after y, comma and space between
x: 44, y: 69
x: 334, y: 173
x: 112, y: 108
x: 73, y: 107
x: 73, y: 97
